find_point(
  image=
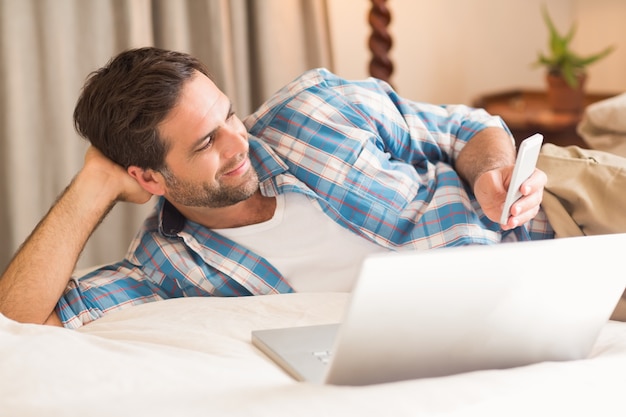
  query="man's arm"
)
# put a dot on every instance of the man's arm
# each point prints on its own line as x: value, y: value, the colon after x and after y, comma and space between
x: 38, y: 274
x: 486, y: 163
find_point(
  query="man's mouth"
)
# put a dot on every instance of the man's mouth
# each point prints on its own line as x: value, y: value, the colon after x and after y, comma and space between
x: 240, y: 168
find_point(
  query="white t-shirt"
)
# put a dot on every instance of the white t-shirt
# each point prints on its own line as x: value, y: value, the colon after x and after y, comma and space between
x: 309, y: 249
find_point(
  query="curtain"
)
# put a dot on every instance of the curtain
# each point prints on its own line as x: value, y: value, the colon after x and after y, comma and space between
x: 48, y: 47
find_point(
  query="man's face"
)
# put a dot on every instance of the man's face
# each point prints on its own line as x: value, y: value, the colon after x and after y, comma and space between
x: 207, y: 164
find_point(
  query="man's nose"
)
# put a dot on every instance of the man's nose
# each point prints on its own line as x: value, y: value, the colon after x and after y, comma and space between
x: 233, y: 142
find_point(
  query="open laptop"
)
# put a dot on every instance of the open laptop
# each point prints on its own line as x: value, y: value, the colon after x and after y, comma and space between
x: 446, y: 311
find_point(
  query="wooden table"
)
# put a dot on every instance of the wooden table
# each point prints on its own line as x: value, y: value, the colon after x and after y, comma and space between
x: 527, y: 112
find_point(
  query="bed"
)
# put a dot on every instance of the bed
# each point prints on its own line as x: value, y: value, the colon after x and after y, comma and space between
x: 194, y: 357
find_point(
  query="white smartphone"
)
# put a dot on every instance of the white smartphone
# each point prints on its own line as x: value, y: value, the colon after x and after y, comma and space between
x: 525, y: 162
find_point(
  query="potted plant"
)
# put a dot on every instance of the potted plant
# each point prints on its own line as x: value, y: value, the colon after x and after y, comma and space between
x: 566, y: 70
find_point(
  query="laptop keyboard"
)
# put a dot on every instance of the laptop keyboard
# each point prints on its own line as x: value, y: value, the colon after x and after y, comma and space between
x: 323, y: 356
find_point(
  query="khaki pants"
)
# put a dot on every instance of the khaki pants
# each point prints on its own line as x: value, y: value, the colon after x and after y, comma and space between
x: 586, y: 190
x: 585, y: 195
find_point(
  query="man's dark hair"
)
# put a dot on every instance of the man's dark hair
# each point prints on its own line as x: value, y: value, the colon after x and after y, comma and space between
x: 122, y: 104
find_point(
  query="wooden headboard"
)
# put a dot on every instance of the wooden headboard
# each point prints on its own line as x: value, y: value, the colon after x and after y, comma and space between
x: 380, y: 41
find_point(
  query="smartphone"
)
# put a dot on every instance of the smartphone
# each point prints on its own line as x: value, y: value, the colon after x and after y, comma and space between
x: 524, y: 167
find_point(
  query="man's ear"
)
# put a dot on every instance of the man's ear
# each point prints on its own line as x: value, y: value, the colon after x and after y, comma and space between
x: 150, y: 180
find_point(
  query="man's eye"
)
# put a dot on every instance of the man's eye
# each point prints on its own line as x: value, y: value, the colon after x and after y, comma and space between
x: 207, y: 144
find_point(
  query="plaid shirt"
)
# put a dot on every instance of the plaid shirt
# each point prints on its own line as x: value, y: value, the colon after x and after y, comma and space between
x: 378, y: 164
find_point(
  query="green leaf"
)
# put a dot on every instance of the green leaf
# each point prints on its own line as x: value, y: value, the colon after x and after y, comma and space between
x: 596, y: 57
x: 560, y: 58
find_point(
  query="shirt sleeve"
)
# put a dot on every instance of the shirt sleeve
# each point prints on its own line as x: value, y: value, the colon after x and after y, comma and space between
x: 414, y: 132
x: 105, y: 289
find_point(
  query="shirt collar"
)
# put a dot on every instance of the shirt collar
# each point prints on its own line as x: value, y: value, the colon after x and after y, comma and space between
x: 171, y: 221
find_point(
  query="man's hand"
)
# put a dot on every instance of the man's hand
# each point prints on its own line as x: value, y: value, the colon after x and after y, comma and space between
x: 486, y: 163
x: 490, y: 190
x: 99, y: 168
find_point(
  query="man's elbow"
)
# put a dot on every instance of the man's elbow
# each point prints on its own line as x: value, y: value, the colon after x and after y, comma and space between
x: 53, y: 320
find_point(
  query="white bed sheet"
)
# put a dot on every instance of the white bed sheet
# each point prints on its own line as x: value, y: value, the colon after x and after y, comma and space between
x: 193, y: 357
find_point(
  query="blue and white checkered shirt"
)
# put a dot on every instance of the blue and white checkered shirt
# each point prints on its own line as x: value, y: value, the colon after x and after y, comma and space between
x: 378, y: 164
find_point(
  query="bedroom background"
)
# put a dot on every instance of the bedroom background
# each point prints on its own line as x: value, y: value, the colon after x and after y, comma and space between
x: 446, y: 51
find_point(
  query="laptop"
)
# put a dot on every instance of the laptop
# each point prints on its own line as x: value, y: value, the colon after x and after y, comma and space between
x: 446, y: 311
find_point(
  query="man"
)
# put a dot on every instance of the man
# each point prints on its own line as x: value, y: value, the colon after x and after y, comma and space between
x: 324, y: 173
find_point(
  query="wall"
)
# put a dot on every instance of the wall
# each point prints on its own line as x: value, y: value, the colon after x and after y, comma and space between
x: 451, y: 51
x: 600, y: 23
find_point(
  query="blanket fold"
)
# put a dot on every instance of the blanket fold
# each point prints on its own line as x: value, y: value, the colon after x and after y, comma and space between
x: 603, y: 126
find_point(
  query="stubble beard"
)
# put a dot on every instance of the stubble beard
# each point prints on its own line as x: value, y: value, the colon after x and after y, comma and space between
x: 203, y: 194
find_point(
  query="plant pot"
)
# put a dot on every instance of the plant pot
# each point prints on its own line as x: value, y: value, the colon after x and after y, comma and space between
x: 563, y: 98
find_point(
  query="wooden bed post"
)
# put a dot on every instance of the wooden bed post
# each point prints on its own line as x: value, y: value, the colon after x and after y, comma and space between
x: 380, y: 41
